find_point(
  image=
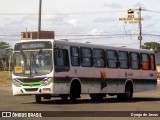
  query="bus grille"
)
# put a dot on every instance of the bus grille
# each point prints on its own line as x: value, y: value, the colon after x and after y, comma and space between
x: 31, y: 89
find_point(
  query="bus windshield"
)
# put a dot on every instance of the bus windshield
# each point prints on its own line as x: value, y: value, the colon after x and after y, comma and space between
x: 32, y: 63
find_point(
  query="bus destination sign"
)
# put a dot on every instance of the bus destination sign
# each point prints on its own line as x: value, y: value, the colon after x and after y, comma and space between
x: 32, y: 45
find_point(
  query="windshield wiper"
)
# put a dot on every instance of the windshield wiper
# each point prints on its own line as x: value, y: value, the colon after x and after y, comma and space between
x: 25, y: 62
x: 39, y: 52
x: 24, y: 57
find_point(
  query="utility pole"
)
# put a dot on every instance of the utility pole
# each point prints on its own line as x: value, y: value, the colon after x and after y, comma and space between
x: 140, y: 29
x: 26, y: 34
x: 39, y: 19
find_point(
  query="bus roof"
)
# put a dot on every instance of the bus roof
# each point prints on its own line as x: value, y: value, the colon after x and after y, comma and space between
x: 78, y: 44
x: 99, y: 46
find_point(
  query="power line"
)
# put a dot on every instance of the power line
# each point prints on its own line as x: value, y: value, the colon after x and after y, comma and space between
x: 90, y: 35
x: 106, y: 37
x: 153, y: 35
x: 71, y: 13
x: 123, y: 44
x: 9, y: 35
x: 153, y: 11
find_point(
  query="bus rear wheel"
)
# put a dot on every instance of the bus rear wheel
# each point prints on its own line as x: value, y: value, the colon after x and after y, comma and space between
x: 128, y: 93
x: 38, y: 98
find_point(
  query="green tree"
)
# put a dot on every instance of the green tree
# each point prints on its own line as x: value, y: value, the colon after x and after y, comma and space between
x: 151, y: 45
x: 4, y: 45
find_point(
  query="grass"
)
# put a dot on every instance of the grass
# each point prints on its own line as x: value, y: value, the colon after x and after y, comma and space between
x: 5, y: 78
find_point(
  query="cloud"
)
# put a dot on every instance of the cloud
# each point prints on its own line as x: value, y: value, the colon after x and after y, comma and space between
x: 57, y: 20
x: 55, y: 17
x: 4, y: 21
x: 2, y: 25
x: 74, y: 22
x: 96, y: 31
x: 48, y: 17
x: 139, y: 4
x: 108, y: 19
x: 113, y: 5
x: 147, y: 17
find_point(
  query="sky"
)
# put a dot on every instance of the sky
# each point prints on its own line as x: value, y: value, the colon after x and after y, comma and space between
x: 94, y: 21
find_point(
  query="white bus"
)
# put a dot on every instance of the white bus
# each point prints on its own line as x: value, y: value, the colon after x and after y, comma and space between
x: 47, y: 68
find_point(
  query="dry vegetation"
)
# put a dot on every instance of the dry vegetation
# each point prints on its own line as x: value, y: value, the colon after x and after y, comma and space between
x: 5, y: 78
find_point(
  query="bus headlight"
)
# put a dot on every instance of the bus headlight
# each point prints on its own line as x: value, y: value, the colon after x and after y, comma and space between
x: 17, y: 84
x: 47, y: 81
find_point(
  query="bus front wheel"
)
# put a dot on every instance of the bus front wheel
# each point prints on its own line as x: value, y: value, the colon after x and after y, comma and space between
x: 73, y: 94
x: 75, y: 91
x: 38, y: 98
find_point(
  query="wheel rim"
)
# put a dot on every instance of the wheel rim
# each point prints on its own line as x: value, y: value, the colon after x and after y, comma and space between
x: 129, y: 92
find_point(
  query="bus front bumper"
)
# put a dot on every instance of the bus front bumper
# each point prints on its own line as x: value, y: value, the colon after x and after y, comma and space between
x: 33, y: 90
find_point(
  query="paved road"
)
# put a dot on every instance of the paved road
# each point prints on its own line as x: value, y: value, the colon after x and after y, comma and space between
x: 145, y: 101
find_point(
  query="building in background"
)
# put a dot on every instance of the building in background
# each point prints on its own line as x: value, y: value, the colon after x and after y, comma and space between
x: 34, y: 35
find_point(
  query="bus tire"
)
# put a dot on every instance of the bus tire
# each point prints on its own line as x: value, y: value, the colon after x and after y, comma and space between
x: 73, y: 94
x: 128, y: 92
x: 38, y: 98
x: 75, y: 91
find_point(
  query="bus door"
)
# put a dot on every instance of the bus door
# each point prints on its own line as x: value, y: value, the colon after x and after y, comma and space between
x: 62, y: 70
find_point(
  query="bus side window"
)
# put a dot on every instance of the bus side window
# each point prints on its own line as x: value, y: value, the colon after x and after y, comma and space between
x: 152, y: 62
x: 61, y: 60
x: 123, y: 60
x: 99, y: 58
x: 111, y: 57
x: 75, y: 60
x: 86, y: 57
x: 134, y: 58
x: 145, y: 61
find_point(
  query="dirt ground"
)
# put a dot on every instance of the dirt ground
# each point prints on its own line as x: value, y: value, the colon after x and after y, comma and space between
x: 5, y: 78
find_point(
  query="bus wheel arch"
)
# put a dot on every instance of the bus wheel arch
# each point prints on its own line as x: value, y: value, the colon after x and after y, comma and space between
x: 128, y: 91
x: 75, y: 89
